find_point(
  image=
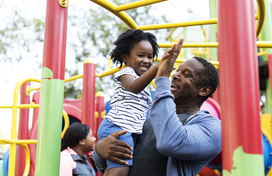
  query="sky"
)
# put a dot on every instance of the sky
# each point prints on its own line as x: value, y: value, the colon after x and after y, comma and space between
x: 12, y: 73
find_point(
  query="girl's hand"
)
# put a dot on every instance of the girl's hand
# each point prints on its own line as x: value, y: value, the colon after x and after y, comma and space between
x: 165, y: 56
x: 169, y: 61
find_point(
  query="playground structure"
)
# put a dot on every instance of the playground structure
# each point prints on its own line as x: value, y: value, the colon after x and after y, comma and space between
x: 238, y: 96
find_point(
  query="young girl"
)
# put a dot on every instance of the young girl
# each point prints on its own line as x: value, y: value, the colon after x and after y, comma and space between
x: 136, y: 49
x: 78, y: 140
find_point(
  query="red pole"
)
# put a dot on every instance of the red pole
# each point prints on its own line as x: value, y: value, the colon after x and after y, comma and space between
x: 88, y: 94
x: 22, y: 131
x: 100, y: 108
x: 52, y: 88
x: 239, y: 89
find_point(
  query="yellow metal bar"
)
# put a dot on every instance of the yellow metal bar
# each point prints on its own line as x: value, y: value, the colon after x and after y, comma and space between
x: 191, y: 45
x: 264, y: 44
x: 7, y: 106
x: 109, y: 65
x: 261, y: 12
x: 22, y: 106
x: 122, y: 15
x: 134, y: 5
x: 260, y: 44
x: 73, y: 78
x: 181, y: 24
x: 109, y: 72
x: 13, y: 134
x: 28, y: 90
x: 27, y: 161
x: 262, y: 53
x: 18, y: 142
x: 66, y: 123
x: 153, y: 83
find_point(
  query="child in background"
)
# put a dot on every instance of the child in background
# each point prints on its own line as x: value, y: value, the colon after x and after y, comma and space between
x: 78, y: 140
x: 130, y: 102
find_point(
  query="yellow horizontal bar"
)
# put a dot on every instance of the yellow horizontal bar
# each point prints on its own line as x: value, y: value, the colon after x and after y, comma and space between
x: 26, y: 106
x: 134, y: 5
x: 22, y: 106
x: 262, y: 53
x: 264, y: 44
x: 109, y: 72
x: 181, y: 24
x: 191, y: 45
x: 260, y: 44
x: 30, y: 90
x: 19, y: 142
x: 198, y: 52
x: 73, y: 78
x: 5, y: 106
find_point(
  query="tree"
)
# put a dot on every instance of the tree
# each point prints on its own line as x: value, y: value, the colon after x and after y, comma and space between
x: 91, y: 34
x: 99, y: 29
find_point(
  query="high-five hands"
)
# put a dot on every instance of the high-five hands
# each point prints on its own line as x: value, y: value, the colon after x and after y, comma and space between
x: 168, y: 60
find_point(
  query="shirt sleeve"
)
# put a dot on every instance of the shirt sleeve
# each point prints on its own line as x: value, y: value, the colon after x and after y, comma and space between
x: 198, y: 141
x: 124, y: 71
x: 67, y: 164
x: 99, y: 162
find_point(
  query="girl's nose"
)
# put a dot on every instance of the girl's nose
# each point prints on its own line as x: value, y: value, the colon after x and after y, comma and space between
x: 145, y: 59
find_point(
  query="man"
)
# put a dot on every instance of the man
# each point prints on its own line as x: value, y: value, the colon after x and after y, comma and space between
x: 177, y: 138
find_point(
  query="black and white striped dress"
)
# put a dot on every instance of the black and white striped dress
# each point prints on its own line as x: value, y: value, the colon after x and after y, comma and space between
x: 128, y: 109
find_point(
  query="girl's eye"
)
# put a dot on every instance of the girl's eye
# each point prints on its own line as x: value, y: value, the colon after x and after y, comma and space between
x: 140, y: 55
x: 151, y: 58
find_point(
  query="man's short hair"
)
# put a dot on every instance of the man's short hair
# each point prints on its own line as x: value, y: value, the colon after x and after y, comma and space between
x: 208, y: 76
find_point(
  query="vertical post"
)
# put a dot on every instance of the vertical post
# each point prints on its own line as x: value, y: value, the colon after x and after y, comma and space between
x: 239, y: 84
x: 212, y: 9
x: 88, y: 93
x: 52, y: 88
x: 22, y: 131
x: 267, y: 36
x: 185, y: 50
x: 100, y: 107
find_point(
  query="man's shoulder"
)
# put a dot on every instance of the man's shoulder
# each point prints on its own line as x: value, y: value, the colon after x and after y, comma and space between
x: 205, y: 117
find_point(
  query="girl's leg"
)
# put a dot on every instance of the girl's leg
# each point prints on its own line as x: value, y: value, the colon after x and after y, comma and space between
x: 106, y: 172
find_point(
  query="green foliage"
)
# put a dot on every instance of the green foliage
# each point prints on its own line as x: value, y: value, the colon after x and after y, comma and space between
x: 18, y: 35
x: 90, y: 34
x: 98, y: 30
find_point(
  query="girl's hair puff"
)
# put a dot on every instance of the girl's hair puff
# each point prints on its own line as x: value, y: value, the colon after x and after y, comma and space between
x: 126, y: 41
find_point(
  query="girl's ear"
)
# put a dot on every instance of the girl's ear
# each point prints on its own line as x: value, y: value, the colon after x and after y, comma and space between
x: 82, y: 142
x: 204, y: 91
x: 125, y: 58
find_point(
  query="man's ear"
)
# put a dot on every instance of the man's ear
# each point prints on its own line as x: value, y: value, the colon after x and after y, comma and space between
x: 204, y: 91
x: 125, y: 58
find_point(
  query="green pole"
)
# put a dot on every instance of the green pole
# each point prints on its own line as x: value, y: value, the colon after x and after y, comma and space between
x: 267, y: 36
x: 212, y: 7
x: 52, y: 88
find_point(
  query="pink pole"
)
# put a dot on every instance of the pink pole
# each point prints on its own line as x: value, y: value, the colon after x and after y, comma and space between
x: 239, y: 84
x: 88, y: 94
x: 22, y: 131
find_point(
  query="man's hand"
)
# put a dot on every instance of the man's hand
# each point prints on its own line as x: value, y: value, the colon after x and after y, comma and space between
x: 166, y: 66
x: 113, y: 149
